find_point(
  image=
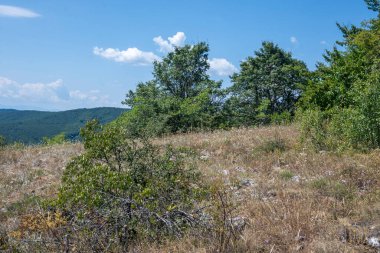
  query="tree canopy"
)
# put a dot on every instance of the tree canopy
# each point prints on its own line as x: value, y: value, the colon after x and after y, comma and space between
x: 269, y: 83
x: 181, y: 97
x: 345, y: 91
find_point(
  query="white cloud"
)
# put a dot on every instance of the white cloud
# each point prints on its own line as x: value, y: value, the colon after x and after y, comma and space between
x: 178, y: 39
x: 51, y: 94
x: 293, y: 40
x: 165, y: 46
x: 92, y: 95
x: 221, y: 67
x: 13, y: 11
x: 323, y: 42
x: 130, y: 55
x: 168, y: 45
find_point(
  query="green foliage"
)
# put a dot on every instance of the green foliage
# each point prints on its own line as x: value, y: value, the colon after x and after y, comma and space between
x: 58, y: 139
x: 180, y: 98
x: 340, y: 109
x: 3, y: 141
x: 30, y: 127
x: 269, y: 83
x: 276, y: 144
x: 312, y: 126
x: 286, y: 175
x: 129, y: 186
x: 333, y: 189
x: 373, y: 5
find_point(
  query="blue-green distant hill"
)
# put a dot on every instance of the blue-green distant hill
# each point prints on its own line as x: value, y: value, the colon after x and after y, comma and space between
x: 31, y: 126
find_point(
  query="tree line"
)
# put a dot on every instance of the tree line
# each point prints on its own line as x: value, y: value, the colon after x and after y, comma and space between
x: 337, y: 104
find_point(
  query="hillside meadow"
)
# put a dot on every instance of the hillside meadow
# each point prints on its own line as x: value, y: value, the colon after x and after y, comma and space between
x: 274, y: 195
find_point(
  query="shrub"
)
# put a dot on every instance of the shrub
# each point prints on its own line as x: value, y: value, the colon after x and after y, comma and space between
x: 57, y: 139
x: 286, y: 175
x: 2, y: 141
x: 272, y: 145
x: 312, y: 128
x: 122, y: 190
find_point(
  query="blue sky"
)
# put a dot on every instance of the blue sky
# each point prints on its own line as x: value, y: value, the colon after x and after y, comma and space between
x: 58, y: 55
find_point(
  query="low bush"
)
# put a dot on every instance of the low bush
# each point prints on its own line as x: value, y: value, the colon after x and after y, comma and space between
x: 122, y: 190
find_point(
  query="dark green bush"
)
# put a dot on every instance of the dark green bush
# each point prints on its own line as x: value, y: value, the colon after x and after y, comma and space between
x: 122, y: 190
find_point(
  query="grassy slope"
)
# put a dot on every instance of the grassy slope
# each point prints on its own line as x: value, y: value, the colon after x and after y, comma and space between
x: 32, y: 126
x: 293, y: 199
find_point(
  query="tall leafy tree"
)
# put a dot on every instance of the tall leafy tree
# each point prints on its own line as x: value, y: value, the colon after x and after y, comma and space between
x: 183, y: 72
x: 345, y: 91
x: 268, y: 83
x: 181, y: 97
x: 373, y: 5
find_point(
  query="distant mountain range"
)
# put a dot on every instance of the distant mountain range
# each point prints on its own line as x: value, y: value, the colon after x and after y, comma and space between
x: 31, y: 126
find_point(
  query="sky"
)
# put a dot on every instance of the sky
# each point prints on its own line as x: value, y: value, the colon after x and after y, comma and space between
x: 59, y: 55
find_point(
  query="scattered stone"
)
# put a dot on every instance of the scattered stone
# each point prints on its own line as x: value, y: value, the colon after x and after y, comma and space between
x: 247, y: 182
x: 374, y: 242
x: 240, y: 169
x: 374, y: 237
x: 205, y: 155
x: 225, y: 172
x: 296, y: 178
x: 239, y: 223
x: 204, y: 158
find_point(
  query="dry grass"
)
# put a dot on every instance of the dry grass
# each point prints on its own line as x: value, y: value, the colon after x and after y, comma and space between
x: 290, y: 198
x: 30, y: 173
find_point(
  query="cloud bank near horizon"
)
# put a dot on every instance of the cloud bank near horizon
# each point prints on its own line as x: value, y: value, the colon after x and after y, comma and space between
x: 53, y: 93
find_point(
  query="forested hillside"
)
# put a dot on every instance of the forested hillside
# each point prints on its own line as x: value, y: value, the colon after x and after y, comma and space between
x: 31, y: 126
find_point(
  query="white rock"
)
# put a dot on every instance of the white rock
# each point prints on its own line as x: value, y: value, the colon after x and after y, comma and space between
x: 374, y: 242
x: 296, y: 178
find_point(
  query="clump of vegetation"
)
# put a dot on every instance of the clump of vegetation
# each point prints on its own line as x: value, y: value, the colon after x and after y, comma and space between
x: 267, y: 87
x: 2, y: 141
x: 122, y: 190
x: 286, y: 175
x: 180, y: 98
x: 275, y: 144
x: 57, y: 139
x: 340, y: 107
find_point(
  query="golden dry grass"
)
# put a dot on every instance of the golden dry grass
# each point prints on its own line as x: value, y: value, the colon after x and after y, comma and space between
x: 292, y: 199
x: 29, y: 173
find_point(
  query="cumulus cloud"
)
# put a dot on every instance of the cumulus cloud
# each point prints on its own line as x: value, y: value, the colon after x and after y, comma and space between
x: 293, y: 40
x: 130, y: 55
x: 178, y: 39
x: 221, y: 67
x: 168, y: 45
x: 17, y: 12
x: 92, y: 95
x: 165, y: 45
x: 52, y: 93
x: 136, y: 56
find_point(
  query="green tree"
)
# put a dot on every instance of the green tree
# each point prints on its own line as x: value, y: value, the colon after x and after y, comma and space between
x: 373, y: 5
x: 180, y: 98
x: 269, y: 83
x: 345, y: 91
